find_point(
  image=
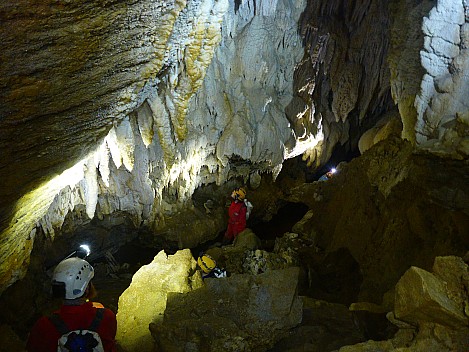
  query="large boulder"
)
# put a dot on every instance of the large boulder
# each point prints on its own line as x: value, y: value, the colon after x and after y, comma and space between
x: 144, y: 301
x: 420, y: 296
x: 430, y: 310
x: 238, y: 313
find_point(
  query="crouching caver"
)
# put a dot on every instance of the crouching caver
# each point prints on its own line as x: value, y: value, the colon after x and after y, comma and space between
x: 209, y: 267
x: 79, y: 324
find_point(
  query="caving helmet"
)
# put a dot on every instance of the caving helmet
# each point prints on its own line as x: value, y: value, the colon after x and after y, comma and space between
x: 206, y: 263
x: 75, y: 273
x: 239, y: 193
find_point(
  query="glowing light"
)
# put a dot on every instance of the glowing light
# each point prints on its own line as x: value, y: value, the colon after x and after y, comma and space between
x: 86, y: 248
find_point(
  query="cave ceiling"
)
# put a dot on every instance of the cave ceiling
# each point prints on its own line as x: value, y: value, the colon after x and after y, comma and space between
x: 128, y: 107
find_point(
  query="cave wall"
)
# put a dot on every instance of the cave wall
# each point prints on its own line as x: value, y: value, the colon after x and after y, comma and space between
x: 391, y: 208
x: 206, y: 91
x: 114, y: 109
x: 344, y: 78
x: 429, y: 67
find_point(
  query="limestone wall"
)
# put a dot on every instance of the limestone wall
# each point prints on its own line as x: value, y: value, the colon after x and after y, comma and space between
x: 159, y: 100
x: 429, y: 68
x: 117, y: 108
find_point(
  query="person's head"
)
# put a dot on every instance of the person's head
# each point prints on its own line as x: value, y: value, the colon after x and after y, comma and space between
x: 206, y: 263
x: 331, y: 173
x: 238, y: 194
x: 72, y: 279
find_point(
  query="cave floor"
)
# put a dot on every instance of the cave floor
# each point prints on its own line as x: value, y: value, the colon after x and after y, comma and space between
x: 325, y: 326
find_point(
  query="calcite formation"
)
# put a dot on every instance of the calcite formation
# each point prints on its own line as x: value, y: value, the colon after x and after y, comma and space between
x: 431, y: 92
x: 343, y: 81
x: 177, y: 91
x: 442, y: 106
x: 112, y: 108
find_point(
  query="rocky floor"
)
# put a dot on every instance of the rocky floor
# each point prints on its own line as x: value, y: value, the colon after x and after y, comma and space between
x: 353, y: 237
x: 324, y: 326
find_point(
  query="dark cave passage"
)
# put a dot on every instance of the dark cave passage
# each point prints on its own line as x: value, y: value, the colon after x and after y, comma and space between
x: 287, y: 216
x: 135, y: 254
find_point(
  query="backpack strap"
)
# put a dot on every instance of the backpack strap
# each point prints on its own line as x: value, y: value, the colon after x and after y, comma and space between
x: 63, y: 328
x: 59, y: 324
x: 97, y: 319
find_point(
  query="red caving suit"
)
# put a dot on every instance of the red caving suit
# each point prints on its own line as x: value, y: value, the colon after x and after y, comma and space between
x: 237, y: 219
x: 44, y: 334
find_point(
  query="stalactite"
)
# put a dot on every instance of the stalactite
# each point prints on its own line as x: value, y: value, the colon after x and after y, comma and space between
x: 90, y: 187
x: 145, y: 123
x: 345, y: 59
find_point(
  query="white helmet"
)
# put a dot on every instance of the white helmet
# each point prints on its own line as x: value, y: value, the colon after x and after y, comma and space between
x: 75, y: 273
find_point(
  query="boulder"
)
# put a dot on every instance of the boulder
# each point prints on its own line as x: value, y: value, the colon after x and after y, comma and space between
x: 454, y: 272
x: 144, y: 301
x: 247, y: 240
x: 422, y: 297
x: 238, y: 313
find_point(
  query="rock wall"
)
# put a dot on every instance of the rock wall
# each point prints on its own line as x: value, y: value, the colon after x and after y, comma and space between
x: 442, y: 106
x: 181, y: 92
x: 429, y: 67
x: 146, y: 102
x: 391, y: 208
x: 342, y: 83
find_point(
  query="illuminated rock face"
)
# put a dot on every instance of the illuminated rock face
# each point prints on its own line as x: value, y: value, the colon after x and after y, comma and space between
x: 177, y: 89
x: 145, y: 300
x: 135, y: 106
x: 70, y: 70
x: 442, y: 106
x: 431, y: 91
x: 168, y: 303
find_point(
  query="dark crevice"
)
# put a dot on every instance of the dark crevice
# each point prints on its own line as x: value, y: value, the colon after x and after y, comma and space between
x: 237, y: 3
x: 287, y: 216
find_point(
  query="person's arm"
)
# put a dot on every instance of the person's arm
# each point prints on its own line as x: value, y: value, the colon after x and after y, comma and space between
x: 107, y: 331
x: 43, y: 337
x: 242, y: 214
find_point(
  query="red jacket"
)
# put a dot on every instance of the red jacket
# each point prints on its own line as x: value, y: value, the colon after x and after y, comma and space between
x: 237, y: 220
x: 44, y: 335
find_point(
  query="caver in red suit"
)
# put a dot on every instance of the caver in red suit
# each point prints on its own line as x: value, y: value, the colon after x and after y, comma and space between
x: 237, y: 219
x: 44, y: 334
x: 72, y: 282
